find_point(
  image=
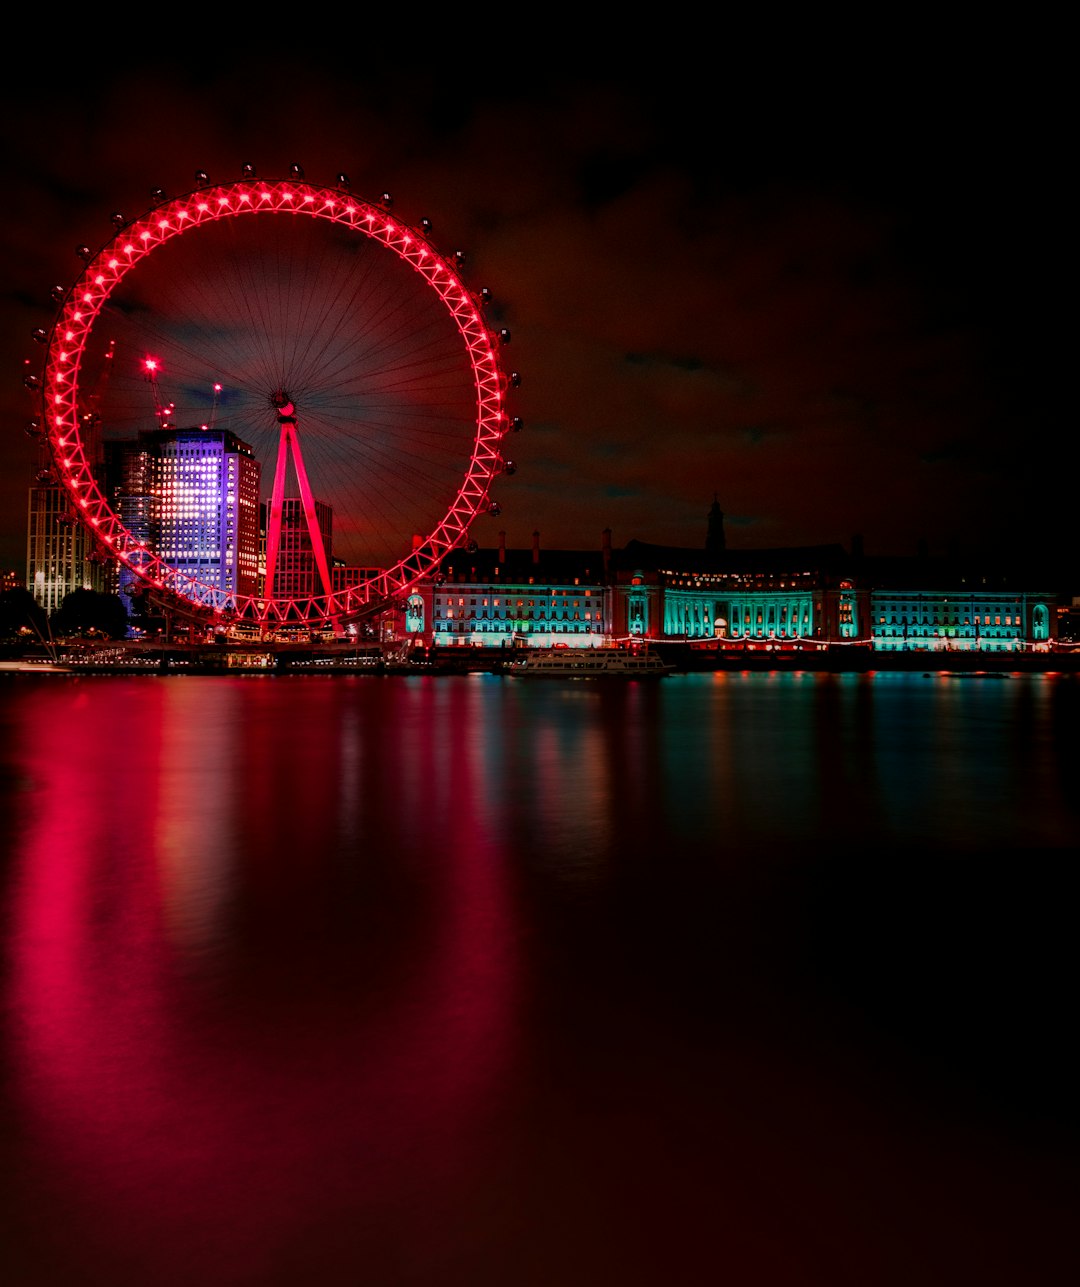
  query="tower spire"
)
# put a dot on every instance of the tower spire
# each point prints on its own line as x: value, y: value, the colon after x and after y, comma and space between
x: 715, y: 541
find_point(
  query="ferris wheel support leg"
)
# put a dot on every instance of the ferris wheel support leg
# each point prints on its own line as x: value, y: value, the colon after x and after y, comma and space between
x: 290, y: 440
x: 308, y: 499
x: 273, y: 532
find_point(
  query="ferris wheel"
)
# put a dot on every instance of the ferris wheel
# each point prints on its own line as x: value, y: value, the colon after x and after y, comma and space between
x: 307, y: 395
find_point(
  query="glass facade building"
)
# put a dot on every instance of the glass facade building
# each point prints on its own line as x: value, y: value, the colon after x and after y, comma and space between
x: 60, y: 553
x: 192, y: 496
x: 297, y: 575
x: 206, y: 507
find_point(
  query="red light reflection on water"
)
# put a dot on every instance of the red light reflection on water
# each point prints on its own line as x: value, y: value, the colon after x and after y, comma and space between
x: 188, y: 1094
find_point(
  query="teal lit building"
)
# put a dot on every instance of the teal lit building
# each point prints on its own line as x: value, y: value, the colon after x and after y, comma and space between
x: 817, y: 596
x: 803, y: 597
x: 806, y: 595
x: 497, y: 598
x: 919, y: 605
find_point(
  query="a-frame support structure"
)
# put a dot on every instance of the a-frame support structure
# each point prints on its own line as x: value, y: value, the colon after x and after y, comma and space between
x: 290, y: 441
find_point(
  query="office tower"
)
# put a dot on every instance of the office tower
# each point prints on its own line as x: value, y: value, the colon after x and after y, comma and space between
x: 60, y: 552
x: 202, y: 513
x: 297, y: 575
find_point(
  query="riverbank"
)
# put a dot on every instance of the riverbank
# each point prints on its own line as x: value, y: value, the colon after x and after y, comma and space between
x: 860, y: 659
x: 680, y: 657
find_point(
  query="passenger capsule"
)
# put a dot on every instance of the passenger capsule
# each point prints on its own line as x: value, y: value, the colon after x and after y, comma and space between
x: 504, y: 336
x: 39, y: 334
x: 201, y: 178
x: 296, y: 171
x: 84, y: 253
x: 247, y: 170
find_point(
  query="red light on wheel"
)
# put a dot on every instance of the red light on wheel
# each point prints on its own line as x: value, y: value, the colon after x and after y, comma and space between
x: 469, y: 349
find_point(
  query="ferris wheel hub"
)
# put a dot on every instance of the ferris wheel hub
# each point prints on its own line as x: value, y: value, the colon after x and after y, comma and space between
x: 283, y: 404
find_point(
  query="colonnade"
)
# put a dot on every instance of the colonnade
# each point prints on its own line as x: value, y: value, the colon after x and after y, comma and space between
x: 753, y: 616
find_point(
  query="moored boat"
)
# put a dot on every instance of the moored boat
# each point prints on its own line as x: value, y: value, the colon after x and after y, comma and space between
x: 35, y: 666
x: 589, y: 663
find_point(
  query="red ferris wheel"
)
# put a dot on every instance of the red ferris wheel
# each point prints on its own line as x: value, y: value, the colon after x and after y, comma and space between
x: 305, y: 400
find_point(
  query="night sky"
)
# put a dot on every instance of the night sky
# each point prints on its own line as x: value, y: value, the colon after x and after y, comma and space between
x: 809, y: 272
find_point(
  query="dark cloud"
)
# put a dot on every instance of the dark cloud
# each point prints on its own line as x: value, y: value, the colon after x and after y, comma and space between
x: 811, y: 284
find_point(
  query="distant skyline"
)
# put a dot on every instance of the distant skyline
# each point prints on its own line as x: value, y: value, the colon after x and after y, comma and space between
x: 811, y: 289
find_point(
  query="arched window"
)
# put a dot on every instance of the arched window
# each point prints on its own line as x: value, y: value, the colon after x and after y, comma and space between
x: 414, y: 615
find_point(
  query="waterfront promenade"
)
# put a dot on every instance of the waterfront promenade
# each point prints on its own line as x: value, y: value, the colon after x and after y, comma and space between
x: 129, y: 657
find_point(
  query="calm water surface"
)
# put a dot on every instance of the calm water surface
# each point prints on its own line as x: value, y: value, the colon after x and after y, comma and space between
x: 739, y: 979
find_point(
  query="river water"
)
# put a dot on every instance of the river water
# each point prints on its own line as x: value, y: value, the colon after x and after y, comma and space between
x: 477, y: 981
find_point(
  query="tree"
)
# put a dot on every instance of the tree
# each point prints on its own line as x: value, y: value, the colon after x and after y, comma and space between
x: 146, y: 616
x: 20, y: 612
x: 89, y: 611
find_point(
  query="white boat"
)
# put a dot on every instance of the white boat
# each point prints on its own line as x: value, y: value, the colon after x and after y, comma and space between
x: 36, y: 666
x: 589, y: 663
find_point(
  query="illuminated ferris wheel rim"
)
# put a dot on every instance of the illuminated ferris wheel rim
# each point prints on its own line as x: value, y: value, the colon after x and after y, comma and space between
x: 208, y: 204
